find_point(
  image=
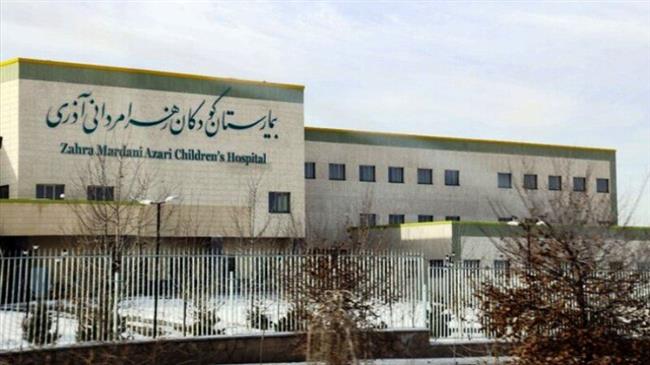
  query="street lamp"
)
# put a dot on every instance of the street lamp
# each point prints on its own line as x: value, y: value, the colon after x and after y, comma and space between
x: 527, y: 225
x: 158, y: 205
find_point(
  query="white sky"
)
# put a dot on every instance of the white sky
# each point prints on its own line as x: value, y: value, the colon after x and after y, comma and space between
x: 562, y: 73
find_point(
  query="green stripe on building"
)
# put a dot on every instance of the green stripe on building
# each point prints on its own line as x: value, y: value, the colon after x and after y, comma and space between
x: 150, y: 80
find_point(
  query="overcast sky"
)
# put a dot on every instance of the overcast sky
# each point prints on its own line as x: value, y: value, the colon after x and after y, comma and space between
x: 561, y: 73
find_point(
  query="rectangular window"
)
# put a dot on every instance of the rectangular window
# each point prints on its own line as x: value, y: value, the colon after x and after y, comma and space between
x: 337, y: 171
x: 310, y: 170
x: 425, y: 176
x: 471, y: 264
x: 504, y: 180
x: 367, y: 173
x: 279, y: 202
x: 50, y: 191
x: 530, y: 181
x: 454, y: 218
x: 452, y: 177
x: 616, y: 265
x: 4, y: 192
x: 602, y: 185
x: 425, y: 218
x: 505, y: 219
x: 97, y: 192
x: 554, y: 182
x: 396, y: 175
x: 396, y: 219
x: 437, y: 263
x: 367, y: 220
x: 643, y: 265
x: 501, y: 265
x: 579, y: 184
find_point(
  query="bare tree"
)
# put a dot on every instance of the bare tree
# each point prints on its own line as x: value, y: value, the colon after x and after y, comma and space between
x: 573, y: 298
x: 110, y: 223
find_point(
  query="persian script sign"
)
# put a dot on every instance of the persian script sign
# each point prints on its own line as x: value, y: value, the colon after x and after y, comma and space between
x: 90, y: 114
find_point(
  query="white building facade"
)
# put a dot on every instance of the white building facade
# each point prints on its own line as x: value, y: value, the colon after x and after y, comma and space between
x: 238, y: 156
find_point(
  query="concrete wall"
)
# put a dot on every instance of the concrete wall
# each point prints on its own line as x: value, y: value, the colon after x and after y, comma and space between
x: 333, y: 205
x: 433, y: 240
x: 9, y: 133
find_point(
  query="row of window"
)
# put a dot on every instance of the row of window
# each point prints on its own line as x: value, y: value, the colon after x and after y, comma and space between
x: 279, y: 202
x: 504, y: 181
x: 57, y: 192
x: 370, y: 219
x: 452, y: 177
x: 395, y: 174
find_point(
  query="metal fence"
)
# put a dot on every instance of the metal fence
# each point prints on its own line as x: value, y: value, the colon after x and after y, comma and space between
x: 53, y: 298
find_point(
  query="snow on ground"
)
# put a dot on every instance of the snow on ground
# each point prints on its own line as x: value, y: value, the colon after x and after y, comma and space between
x: 233, y: 311
x: 11, y: 330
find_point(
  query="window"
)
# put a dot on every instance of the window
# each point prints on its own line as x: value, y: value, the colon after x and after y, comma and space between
x: 504, y: 180
x: 437, y: 263
x: 396, y: 175
x: 396, y: 219
x: 602, y: 185
x: 555, y: 182
x: 50, y: 191
x: 367, y: 220
x: 425, y: 218
x: 4, y: 192
x: 310, y: 170
x: 452, y: 218
x: 96, y: 192
x: 616, y: 265
x: 337, y: 171
x: 579, y: 184
x: 530, y: 181
x: 367, y: 173
x: 505, y: 219
x: 643, y: 265
x: 425, y: 176
x: 471, y: 264
x: 279, y: 202
x: 502, y: 265
x: 452, y: 177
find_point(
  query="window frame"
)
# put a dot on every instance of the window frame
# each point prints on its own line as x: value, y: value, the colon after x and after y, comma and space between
x: 273, y: 202
x: 584, y: 184
x: 559, y: 180
x: 452, y: 177
x: 526, y: 179
x: 506, y: 174
x: 430, y: 177
x: 374, y: 173
x: 401, y: 174
x: 598, y: 181
x: 402, y: 220
x: 313, y: 171
x: 421, y: 218
x: 56, y: 191
x: 103, y: 189
x: 364, y: 220
x: 335, y: 165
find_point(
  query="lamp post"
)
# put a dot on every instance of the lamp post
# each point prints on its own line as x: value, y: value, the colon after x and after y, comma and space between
x: 528, y: 225
x: 158, y: 205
